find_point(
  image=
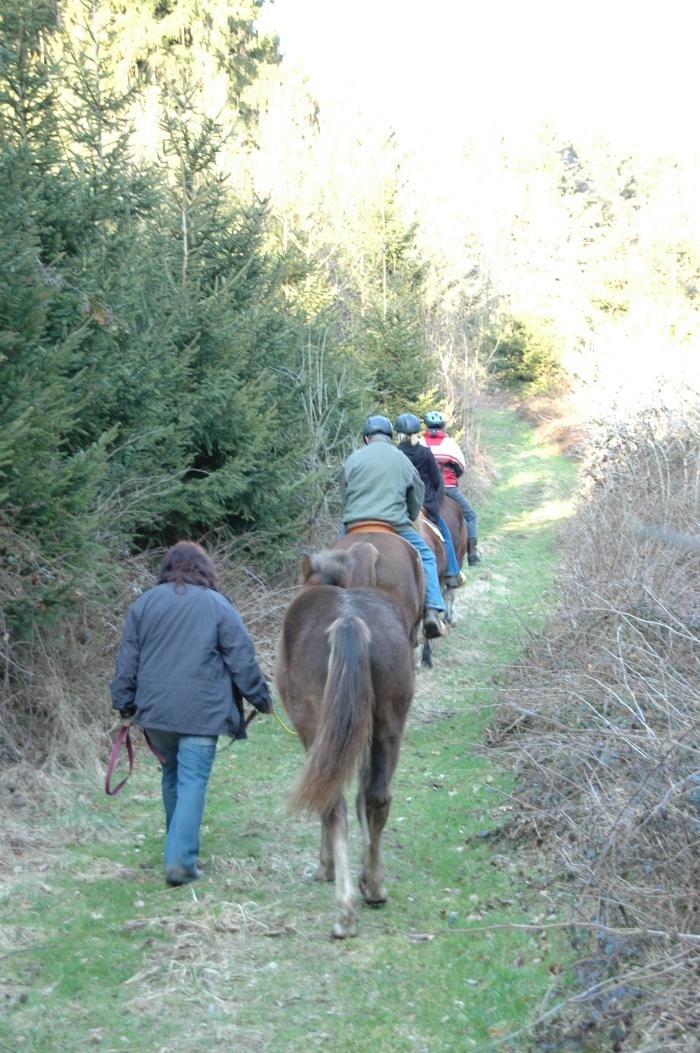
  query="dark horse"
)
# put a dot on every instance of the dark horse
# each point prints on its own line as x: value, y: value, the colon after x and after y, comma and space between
x: 345, y: 675
x: 376, y: 558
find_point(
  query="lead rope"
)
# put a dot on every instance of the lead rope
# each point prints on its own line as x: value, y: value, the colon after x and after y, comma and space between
x: 253, y: 713
x: 290, y: 731
x: 275, y: 714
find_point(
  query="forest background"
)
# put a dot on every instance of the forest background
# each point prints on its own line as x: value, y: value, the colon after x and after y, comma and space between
x: 210, y: 277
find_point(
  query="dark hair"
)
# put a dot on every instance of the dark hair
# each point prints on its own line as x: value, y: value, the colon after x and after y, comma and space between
x: 186, y: 563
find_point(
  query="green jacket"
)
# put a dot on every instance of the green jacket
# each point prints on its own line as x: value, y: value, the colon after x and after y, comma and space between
x: 379, y: 482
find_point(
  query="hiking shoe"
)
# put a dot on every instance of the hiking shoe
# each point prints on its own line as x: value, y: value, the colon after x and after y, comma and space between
x: 433, y: 625
x: 177, y: 875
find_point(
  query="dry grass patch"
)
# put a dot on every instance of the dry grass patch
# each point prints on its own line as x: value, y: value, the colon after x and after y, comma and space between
x: 602, y: 721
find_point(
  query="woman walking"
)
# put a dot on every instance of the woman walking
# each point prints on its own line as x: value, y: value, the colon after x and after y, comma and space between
x: 184, y: 665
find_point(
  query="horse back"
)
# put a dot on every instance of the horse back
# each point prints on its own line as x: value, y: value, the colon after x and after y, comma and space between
x: 304, y: 652
x: 398, y: 572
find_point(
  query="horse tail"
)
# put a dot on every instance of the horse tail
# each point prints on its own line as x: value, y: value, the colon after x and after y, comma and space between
x: 345, y: 727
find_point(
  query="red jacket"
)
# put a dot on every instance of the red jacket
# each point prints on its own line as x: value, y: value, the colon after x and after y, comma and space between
x: 447, y: 454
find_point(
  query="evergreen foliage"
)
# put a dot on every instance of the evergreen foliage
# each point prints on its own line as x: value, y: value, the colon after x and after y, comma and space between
x: 168, y: 366
x: 524, y: 354
x: 145, y: 339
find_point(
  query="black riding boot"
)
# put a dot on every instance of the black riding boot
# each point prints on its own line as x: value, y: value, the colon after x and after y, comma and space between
x: 433, y: 625
x: 473, y: 556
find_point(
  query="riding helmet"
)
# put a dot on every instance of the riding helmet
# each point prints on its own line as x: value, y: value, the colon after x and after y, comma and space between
x: 433, y: 419
x: 407, y: 424
x: 378, y: 426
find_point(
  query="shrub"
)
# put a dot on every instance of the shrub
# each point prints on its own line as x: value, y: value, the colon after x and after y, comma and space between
x: 524, y: 353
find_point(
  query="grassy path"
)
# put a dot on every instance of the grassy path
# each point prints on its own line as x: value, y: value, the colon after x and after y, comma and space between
x: 97, y: 954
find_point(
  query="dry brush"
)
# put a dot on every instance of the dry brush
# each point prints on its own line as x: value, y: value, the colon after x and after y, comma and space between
x: 601, y: 719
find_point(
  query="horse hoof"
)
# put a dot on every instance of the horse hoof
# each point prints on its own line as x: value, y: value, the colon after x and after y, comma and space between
x: 323, y: 873
x: 345, y: 927
x: 375, y: 904
x: 373, y: 897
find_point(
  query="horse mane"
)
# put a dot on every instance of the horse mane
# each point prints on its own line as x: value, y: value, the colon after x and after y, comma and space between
x: 351, y: 568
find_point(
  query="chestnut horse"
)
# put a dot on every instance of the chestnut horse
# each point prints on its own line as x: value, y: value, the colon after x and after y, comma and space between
x: 345, y: 675
x: 379, y: 558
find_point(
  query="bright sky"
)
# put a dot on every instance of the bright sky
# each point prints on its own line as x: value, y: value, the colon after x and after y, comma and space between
x: 628, y: 68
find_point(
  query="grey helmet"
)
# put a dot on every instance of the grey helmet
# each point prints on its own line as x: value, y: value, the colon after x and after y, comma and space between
x: 407, y: 424
x: 378, y: 426
x: 434, y: 420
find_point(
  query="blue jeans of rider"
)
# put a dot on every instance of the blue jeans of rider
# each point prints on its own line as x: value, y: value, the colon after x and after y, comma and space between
x: 467, y: 511
x: 433, y: 596
x: 453, y: 566
x: 185, y: 777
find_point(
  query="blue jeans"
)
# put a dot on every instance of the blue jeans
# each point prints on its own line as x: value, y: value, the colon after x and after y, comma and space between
x: 185, y: 776
x: 453, y: 566
x: 433, y: 596
x: 467, y: 511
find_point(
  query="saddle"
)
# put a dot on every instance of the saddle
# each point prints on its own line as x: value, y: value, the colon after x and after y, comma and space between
x: 369, y: 524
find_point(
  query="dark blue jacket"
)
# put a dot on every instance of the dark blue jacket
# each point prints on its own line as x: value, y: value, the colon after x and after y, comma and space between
x: 184, y: 663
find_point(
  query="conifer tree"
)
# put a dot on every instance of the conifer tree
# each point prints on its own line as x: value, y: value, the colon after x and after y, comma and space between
x: 48, y: 481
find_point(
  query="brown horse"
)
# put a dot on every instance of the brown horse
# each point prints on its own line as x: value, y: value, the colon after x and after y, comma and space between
x: 345, y: 675
x: 377, y: 559
x: 452, y: 514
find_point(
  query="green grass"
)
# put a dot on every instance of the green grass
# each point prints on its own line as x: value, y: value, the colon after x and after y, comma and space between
x: 98, y: 954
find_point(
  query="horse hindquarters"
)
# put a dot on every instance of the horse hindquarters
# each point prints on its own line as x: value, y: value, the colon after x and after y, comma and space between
x: 342, y: 738
x: 340, y: 745
x: 347, y: 690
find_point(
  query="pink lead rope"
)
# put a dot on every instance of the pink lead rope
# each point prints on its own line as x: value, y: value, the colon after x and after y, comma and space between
x: 123, y: 736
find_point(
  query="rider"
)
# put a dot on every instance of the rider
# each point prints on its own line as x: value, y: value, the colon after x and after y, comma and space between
x: 408, y: 427
x: 451, y: 462
x: 379, y: 483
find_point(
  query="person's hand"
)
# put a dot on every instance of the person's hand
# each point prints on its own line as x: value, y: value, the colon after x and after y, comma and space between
x: 263, y: 705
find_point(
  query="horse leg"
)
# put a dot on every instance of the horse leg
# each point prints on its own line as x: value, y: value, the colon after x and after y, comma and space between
x: 336, y: 824
x: 448, y: 596
x: 325, y: 870
x: 373, y: 804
